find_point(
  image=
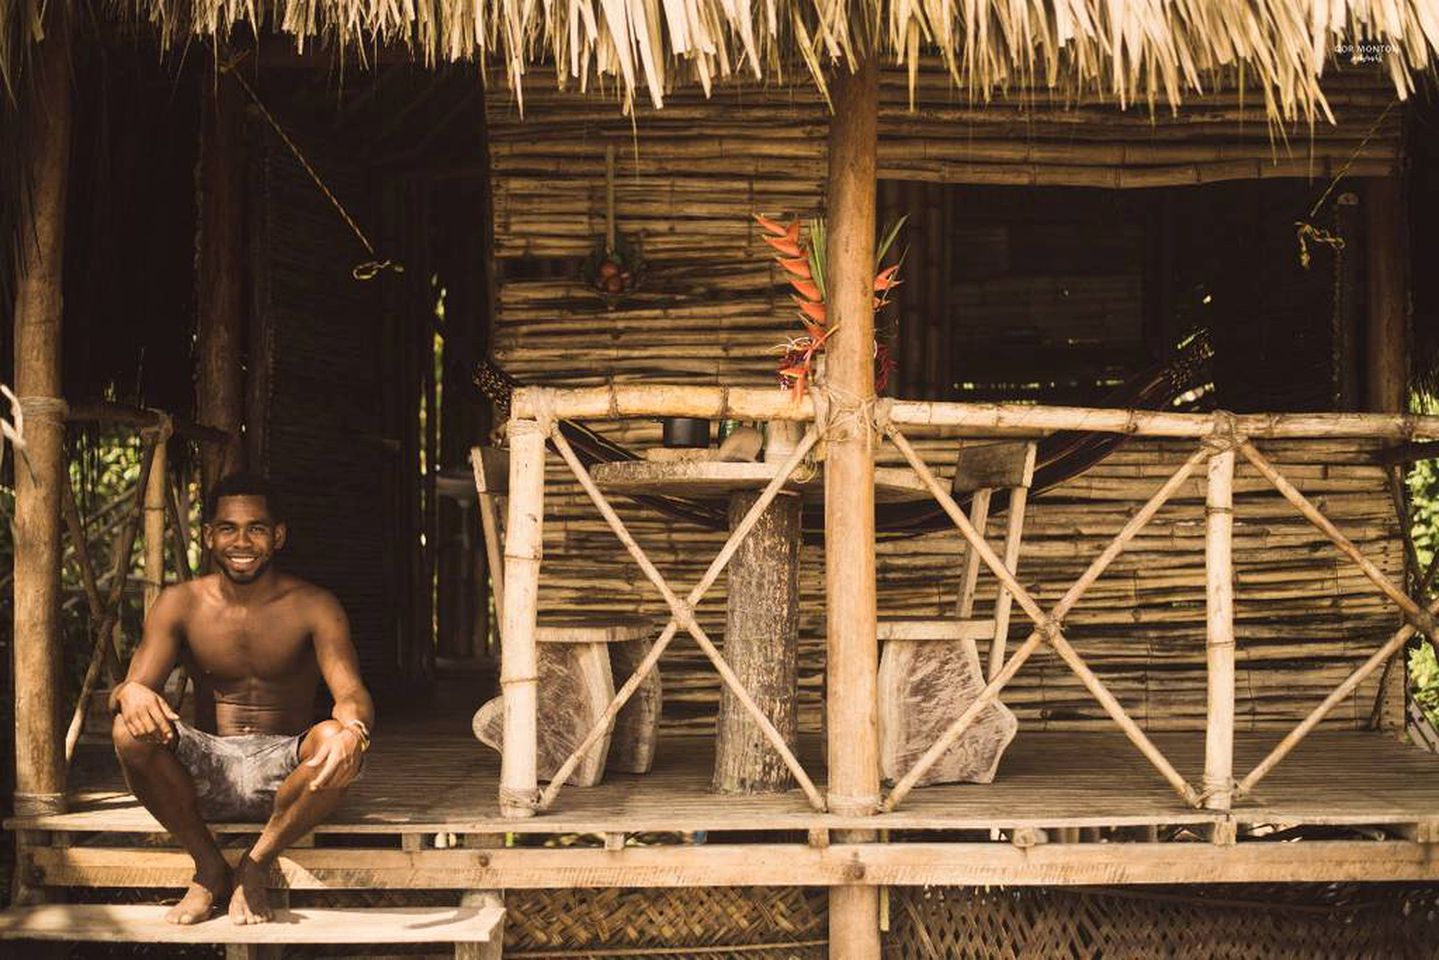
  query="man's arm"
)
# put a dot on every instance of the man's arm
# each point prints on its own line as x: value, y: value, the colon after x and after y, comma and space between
x: 138, y: 698
x: 340, y: 666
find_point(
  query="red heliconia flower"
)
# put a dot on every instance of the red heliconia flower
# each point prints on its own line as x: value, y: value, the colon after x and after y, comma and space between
x: 805, y: 273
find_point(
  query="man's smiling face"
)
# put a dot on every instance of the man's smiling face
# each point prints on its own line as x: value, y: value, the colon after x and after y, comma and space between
x: 243, y: 537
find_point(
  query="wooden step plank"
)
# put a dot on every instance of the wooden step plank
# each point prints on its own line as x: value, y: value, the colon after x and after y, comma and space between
x: 144, y: 923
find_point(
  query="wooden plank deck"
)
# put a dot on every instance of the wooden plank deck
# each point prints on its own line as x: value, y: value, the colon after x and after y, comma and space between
x: 420, y: 782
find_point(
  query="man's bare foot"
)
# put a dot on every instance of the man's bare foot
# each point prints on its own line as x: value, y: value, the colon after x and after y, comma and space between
x: 198, y: 903
x: 250, y: 903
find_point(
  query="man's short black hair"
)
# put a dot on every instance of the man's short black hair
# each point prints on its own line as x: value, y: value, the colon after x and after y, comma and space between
x: 244, y: 484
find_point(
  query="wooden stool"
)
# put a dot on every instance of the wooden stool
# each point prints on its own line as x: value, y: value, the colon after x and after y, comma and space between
x: 930, y: 670
x: 578, y: 663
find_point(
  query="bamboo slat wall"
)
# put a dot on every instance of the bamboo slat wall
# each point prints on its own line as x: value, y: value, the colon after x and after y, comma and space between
x: 709, y: 310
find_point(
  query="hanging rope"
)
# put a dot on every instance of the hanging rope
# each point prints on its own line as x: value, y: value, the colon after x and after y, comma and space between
x: 1305, y: 230
x: 364, y: 271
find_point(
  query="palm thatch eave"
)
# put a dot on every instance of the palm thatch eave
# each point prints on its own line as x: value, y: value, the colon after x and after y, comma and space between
x: 1136, y: 51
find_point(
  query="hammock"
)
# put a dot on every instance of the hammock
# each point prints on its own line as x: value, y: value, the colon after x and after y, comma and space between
x: 1061, y: 456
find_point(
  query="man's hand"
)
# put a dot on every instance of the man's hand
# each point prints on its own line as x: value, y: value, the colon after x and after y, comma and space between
x: 338, y: 759
x: 145, y: 713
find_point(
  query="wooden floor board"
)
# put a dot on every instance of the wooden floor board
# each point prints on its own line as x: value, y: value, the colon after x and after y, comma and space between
x: 421, y: 782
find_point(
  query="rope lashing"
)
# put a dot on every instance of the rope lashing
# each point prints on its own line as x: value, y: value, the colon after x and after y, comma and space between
x: 683, y: 614
x: 35, y: 409
x: 519, y: 799
x: 41, y: 410
x: 845, y: 411
x: 367, y: 270
x: 1225, y: 435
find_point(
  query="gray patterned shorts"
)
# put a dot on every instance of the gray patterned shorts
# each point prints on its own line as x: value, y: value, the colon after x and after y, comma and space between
x: 236, y: 777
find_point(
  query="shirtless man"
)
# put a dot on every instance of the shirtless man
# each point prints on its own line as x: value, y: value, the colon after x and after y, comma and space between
x: 256, y: 642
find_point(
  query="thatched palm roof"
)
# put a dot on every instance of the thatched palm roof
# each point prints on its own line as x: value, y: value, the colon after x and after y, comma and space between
x: 1153, y: 51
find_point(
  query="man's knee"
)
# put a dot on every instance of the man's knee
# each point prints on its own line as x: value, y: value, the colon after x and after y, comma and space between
x: 127, y: 745
x: 318, y: 734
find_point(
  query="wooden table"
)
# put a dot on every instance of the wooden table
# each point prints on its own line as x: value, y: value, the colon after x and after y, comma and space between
x: 761, y: 641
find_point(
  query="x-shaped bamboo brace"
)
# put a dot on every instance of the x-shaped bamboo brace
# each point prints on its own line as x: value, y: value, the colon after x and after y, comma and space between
x: 1418, y: 618
x: 682, y: 615
x: 1046, y: 626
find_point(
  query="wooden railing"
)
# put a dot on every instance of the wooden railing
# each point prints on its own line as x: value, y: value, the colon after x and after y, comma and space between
x: 1221, y: 438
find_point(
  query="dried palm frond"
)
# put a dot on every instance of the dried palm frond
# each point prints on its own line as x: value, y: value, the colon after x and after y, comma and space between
x: 1134, y: 50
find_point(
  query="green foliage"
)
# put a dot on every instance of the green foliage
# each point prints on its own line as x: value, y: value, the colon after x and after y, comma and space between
x: 1423, y: 483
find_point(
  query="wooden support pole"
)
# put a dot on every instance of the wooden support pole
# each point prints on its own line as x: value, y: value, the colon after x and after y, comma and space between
x: 852, y: 646
x: 1386, y: 381
x: 156, y: 493
x: 519, y: 662
x: 1219, y: 637
x: 219, y: 274
x: 40, y: 470
x: 1386, y: 345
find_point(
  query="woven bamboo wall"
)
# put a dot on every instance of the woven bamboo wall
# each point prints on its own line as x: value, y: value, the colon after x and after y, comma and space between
x: 1236, y: 922
x: 709, y: 311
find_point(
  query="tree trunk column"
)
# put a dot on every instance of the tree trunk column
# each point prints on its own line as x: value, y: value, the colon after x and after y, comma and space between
x: 761, y: 643
x: 852, y: 645
x: 40, y: 469
x: 1386, y: 380
x: 219, y: 279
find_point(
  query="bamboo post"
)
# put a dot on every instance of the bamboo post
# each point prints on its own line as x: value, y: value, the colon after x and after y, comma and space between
x: 40, y: 470
x: 1386, y: 381
x: 156, y: 493
x: 1219, y: 630
x: 519, y: 667
x: 852, y: 645
x: 219, y: 273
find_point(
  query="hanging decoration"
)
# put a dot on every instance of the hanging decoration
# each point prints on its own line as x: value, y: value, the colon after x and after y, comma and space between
x: 616, y: 265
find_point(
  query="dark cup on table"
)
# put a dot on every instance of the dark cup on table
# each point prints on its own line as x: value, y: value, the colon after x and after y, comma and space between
x: 686, y: 432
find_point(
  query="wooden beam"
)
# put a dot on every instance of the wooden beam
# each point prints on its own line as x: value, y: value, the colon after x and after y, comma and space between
x: 219, y: 273
x: 852, y: 646
x: 40, y: 469
x: 621, y: 401
x: 842, y: 864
